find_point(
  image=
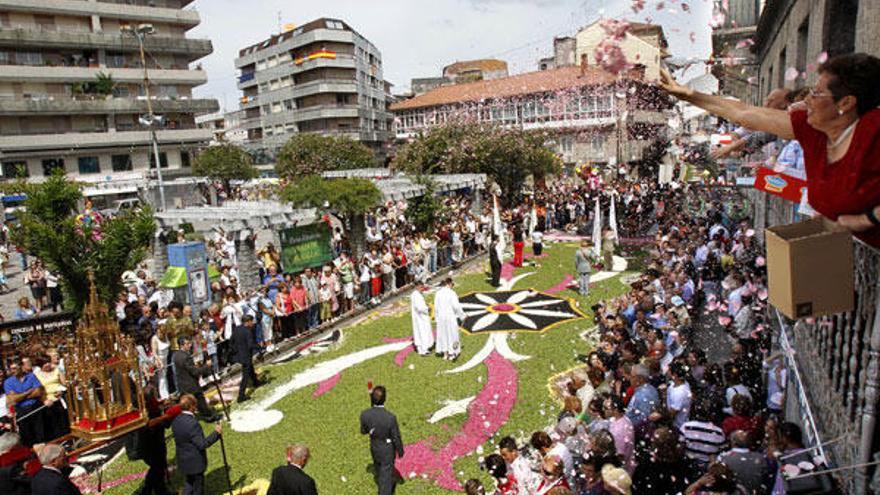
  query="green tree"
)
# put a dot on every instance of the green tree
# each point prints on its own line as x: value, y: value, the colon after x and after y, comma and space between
x: 507, y: 156
x: 350, y: 199
x: 424, y: 211
x: 51, y: 230
x: 311, y: 154
x: 225, y: 162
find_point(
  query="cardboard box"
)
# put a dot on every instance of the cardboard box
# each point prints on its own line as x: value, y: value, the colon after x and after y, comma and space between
x: 809, y: 269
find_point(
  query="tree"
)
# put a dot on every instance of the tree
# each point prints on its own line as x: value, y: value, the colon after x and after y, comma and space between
x: 350, y: 199
x: 507, y: 156
x: 225, y: 162
x: 53, y: 229
x: 311, y: 154
x: 424, y: 212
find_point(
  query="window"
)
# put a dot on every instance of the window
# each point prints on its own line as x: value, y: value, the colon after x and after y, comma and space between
x: 566, y: 143
x: 185, y: 160
x: 44, y: 22
x: 5, y: 58
x: 261, y: 65
x: 780, y: 70
x: 598, y: 143
x: 88, y: 165
x: 29, y: 58
x: 276, y: 107
x: 334, y: 25
x: 4, y: 19
x: 50, y: 165
x: 116, y: 60
x: 121, y: 163
x: 802, y: 40
x: 163, y: 160
x: 288, y: 105
x: 12, y: 170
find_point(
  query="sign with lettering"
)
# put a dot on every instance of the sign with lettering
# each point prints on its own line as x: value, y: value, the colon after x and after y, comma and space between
x: 784, y: 186
x: 50, y: 330
x: 305, y: 246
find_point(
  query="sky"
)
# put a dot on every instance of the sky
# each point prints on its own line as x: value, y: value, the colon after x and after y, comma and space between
x: 417, y: 38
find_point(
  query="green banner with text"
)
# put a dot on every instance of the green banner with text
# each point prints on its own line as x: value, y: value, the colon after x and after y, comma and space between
x: 306, y: 246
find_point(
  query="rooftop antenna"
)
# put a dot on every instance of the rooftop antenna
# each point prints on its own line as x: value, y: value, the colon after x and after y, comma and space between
x: 280, y: 30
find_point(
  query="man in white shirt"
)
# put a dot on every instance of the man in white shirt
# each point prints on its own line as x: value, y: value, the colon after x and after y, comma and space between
x: 678, y: 395
x: 527, y: 479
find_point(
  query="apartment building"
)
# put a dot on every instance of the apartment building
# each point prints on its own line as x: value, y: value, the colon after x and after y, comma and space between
x: 732, y: 46
x: 321, y: 77
x: 644, y: 45
x: 56, y: 111
x: 793, y: 33
x: 596, y: 117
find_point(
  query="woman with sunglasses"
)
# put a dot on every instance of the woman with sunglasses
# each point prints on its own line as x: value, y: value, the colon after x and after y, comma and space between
x: 838, y: 127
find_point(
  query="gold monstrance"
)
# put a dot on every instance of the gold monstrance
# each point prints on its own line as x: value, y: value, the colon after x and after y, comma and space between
x: 104, y: 383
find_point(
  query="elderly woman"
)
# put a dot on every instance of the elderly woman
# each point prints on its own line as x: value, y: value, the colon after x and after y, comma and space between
x: 839, y: 130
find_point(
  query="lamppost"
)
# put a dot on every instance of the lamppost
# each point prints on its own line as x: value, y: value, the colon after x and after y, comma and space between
x: 151, y: 120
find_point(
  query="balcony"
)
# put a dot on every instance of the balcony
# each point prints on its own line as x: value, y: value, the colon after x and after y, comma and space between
x: 304, y: 39
x: 81, y: 140
x: 62, y: 75
x: 47, y: 40
x: 340, y: 62
x: 325, y: 112
x: 66, y: 106
x: 324, y: 86
x: 135, y: 13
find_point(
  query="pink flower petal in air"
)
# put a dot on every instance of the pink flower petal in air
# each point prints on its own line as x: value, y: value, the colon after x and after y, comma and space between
x: 822, y: 58
x: 791, y: 74
x: 693, y: 37
x: 762, y: 294
x: 760, y: 261
x: 724, y: 320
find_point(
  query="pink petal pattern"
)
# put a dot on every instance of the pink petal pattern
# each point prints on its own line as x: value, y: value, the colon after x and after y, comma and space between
x: 561, y: 286
x: 486, y: 414
x: 327, y: 385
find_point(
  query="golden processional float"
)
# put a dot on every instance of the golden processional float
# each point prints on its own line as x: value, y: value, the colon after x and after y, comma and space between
x: 104, y: 392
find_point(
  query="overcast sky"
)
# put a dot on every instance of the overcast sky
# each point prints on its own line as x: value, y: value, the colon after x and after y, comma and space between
x: 418, y: 38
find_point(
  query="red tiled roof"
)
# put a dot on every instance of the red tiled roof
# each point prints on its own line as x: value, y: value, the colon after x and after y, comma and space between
x: 506, y: 87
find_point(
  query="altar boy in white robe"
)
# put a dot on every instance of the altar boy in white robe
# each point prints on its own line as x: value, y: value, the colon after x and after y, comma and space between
x: 423, y: 337
x: 448, y: 312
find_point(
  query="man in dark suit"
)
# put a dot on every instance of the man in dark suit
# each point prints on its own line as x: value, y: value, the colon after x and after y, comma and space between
x: 385, y: 441
x: 244, y: 346
x: 53, y: 477
x: 291, y: 479
x: 191, y: 445
x: 188, y: 375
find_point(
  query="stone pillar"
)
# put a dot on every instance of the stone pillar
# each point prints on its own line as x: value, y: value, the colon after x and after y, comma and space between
x: 477, y: 205
x: 160, y: 254
x: 248, y: 270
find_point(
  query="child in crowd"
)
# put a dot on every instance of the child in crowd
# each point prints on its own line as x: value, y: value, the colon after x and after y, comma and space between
x: 326, y: 295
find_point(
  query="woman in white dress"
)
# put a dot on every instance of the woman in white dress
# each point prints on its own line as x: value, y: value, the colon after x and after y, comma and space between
x: 160, y: 346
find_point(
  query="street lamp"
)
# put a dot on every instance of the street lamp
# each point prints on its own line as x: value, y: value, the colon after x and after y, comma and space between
x: 151, y: 120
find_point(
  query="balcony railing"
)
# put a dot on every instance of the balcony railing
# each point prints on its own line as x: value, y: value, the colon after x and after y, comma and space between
x: 834, y: 371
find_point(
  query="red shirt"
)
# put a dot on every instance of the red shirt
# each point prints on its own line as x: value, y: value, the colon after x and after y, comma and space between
x: 298, y: 299
x: 850, y: 185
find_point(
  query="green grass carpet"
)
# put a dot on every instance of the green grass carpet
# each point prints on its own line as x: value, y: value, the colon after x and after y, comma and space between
x: 329, y: 424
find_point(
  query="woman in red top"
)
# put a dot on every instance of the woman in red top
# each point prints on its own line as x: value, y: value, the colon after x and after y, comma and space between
x: 839, y: 131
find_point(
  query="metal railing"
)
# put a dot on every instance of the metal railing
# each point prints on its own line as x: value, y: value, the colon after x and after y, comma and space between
x: 834, y: 369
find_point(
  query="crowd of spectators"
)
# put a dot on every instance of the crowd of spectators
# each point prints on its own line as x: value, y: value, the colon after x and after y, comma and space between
x: 663, y: 405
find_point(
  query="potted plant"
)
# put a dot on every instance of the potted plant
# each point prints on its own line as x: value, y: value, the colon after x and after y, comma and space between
x: 104, y: 85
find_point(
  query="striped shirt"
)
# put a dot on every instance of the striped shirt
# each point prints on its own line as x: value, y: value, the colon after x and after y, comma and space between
x: 702, y: 440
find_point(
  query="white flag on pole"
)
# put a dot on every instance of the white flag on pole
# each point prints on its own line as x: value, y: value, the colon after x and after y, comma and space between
x: 612, y: 218
x: 597, y: 230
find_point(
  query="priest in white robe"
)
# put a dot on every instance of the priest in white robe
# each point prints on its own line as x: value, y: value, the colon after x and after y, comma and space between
x: 423, y: 337
x: 448, y: 312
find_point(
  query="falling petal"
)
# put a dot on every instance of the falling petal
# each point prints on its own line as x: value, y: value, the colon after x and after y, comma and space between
x: 791, y: 74
x: 822, y: 58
